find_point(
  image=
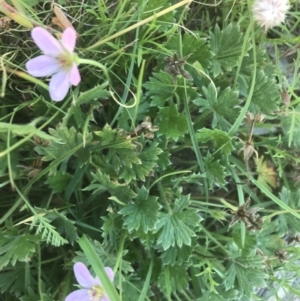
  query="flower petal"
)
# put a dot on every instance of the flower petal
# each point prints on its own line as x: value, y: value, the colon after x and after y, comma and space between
x: 83, y: 276
x: 109, y: 273
x: 75, y: 75
x: 69, y: 39
x: 105, y: 298
x: 46, y: 42
x: 42, y: 65
x: 79, y: 295
x: 58, y: 88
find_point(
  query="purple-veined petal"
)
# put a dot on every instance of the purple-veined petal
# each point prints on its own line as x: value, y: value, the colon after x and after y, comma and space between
x: 42, y: 65
x: 79, y: 295
x: 46, y: 42
x: 105, y: 298
x: 69, y: 39
x: 109, y: 273
x: 75, y: 75
x: 58, y: 88
x: 83, y: 276
x: 98, y: 281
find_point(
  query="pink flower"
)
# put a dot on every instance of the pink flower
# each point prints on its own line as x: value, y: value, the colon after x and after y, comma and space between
x: 58, y: 61
x: 92, y: 289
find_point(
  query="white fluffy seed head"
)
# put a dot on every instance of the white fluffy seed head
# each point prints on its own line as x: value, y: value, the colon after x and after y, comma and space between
x: 270, y: 13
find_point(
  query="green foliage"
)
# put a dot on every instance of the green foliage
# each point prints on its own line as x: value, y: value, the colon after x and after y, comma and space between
x: 14, y: 155
x: 103, y: 183
x: 288, y: 223
x: 172, y: 124
x: 63, y: 225
x: 142, y: 213
x: 214, y: 170
x: 24, y: 130
x: 148, y: 156
x: 107, y: 258
x: 12, y: 279
x: 176, y: 254
x: 145, y: 166
x: 290, y: 123
x: 161, y: 88
x: 124, y: 157
x: 246, y: 272
x: 177, y: 226
x: 227, y: 47
x: 173, y: 277
x: 220, y: 140
x: 190, y: 42
x: 151, y: 7
x: 59, y: 182
x: 266, y: 94
x: 67, y: 142
x: 14, y: 247
x: 48, y: 233
x: 89, y: 99
x: 223, y: 106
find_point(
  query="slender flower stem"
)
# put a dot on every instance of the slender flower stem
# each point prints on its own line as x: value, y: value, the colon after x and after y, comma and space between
x: 94, y: 63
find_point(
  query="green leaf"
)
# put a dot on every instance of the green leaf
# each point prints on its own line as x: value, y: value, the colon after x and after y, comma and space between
x: 172, y: 123
x: 42, y: 226
x: 214, y: 171
x: 142, y: 213
x: 102, y: 183
x: 227, y: 45
x: 112, y: 224
x: 190, y: 43
x: 220, y: 140
x: 91, y: 96
x: 175, y: 276
x: 267, y: 239
x: 116, y: 150
x: 161, y: 88
x: 88, y: 99
x: 128, y: 159
x: 25, y: 129
x: 63, y: 225
x: 288, y: 223
x: 222, y: 106
x: 290, y: 123
x: 176, y: 227
x: 15, y: 248
x: 59, y: 181
x: 266, y: 95
x: 176, y: 255
x: 148, y: 158
x: 13, y: 279
x: 67, y: 139
x: 245, y: 273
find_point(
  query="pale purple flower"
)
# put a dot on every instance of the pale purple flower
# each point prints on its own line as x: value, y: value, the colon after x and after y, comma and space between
x: 270, y: 13
x: 92, y: 289
x: 58, y: 61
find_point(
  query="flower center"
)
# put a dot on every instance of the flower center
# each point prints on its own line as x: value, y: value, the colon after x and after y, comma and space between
x: 96, y: 293
x: 66, y: 61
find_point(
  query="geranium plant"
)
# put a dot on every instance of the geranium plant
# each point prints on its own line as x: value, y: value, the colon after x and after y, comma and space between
x: 167, y: 151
